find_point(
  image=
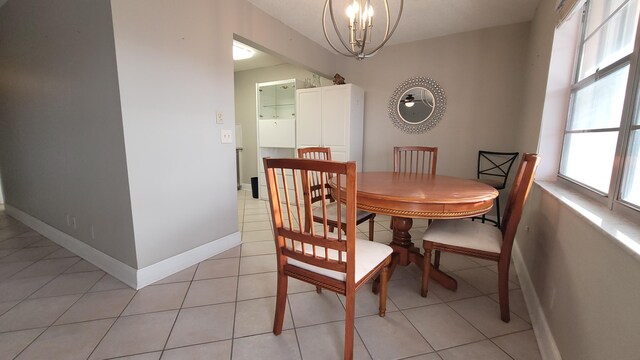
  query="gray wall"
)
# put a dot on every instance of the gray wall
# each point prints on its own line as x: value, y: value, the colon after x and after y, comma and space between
x: 156, y: 172
x: 176, y: 71
x: 245, y: 99
x: 1, y: 191
x: 587, y: 285
x: 481, y: 74
x: 61, y: 144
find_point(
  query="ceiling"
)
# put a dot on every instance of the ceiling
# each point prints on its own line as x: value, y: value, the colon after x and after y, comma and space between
x: 421, y: 19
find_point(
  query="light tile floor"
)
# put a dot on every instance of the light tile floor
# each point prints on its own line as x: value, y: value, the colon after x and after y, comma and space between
x: 54, y: 305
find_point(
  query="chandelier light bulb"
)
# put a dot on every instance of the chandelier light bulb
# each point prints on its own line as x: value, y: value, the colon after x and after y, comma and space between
x: 360, y: 15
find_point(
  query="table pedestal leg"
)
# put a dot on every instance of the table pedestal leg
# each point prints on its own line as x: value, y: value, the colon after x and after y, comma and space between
x: 407, y: 252
x: 401, y: 242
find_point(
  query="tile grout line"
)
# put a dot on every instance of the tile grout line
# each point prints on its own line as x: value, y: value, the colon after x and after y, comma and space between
x: 235, y: 307
x: 480, y: 331
x: 500, y: 347
x: 164, y: 347
x: 418, y: 331
x: 293, y: 323
x: 114, y: 322
x: 54, y: 321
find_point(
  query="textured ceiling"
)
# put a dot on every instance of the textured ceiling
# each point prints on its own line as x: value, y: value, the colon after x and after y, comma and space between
x: 421, y: 19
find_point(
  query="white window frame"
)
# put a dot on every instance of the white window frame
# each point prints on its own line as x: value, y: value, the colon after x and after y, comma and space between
x: 612, y: 198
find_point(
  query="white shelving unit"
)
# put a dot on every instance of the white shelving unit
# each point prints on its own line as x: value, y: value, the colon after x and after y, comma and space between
x: 276, y: 124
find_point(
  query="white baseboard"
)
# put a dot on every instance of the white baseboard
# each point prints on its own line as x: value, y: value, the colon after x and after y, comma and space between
x: 160, y: 270
x: 544, y: 336
x: 135, y: 278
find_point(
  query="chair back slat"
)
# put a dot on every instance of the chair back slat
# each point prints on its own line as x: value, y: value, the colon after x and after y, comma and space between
x: 313, y: 240
x: 415, y: 159
x: 517, y: 198
x: 496, y: 164
x: 319, y: 188
x: 316, y: 261
x: 329, y: 250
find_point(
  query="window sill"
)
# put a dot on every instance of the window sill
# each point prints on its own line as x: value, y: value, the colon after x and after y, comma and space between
x: 624, y: 232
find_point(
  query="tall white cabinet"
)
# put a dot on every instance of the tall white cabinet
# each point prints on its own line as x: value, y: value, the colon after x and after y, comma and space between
x: 331, y: 116
x: 276, y: 124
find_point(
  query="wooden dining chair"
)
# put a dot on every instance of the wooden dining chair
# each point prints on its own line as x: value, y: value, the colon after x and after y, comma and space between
x: 414, y: 160
x: 336, y: 261
x: 483, y: 240
x: 324, y: 153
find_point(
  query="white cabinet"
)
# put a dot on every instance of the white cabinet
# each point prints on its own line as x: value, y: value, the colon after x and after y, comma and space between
x: 276, y: 118
x: 279, y: 133
x: 332, y: 116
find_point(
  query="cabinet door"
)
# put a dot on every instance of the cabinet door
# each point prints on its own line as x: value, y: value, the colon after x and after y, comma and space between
x: 277, y: 133
x: 338, y: 154
x: 309, y: 118
x: 335, y: 117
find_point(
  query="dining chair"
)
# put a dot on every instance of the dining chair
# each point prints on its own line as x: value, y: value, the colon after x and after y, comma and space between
x: 414, y: 159
x: 336, y: 261
x: 493, y: 170
x: 324, y: 153
x: 483, y: 240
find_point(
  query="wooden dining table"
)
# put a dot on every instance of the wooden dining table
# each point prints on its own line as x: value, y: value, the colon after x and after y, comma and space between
x: 406, y: 196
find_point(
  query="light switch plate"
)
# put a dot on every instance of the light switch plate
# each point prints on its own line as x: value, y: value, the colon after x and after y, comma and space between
x: 219, y: 118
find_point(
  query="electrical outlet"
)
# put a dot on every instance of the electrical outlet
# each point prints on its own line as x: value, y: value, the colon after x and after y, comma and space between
x: 226, y: 136
x: 68, y: 219
x: 219, y: 118
x: 92, y: 231
x: 74, y: 222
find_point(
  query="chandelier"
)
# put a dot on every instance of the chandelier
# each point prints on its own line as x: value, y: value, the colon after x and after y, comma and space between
x: 360, y: 14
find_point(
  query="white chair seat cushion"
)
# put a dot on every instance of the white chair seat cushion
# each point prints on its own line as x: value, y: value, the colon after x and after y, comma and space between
x: 368, y: 255
x: 466, y: 234
x: 332, y: 212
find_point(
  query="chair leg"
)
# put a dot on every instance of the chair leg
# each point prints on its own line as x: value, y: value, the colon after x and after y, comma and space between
x: 436, y: 259
x: 498, y: 212
x: 503, y: 290
x: 281, y: 301
x: 426, y: 267
x: 349, y: 324
x: 318, y: 289
x: 395, y: 258
x: 371, y: 227
x: 384, y: 279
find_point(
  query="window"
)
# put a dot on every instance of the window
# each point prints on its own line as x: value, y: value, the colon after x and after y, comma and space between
x: 598, y: 131
x: 630, y: 192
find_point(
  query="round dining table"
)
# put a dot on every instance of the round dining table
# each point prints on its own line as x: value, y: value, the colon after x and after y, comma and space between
x: 406, y: 196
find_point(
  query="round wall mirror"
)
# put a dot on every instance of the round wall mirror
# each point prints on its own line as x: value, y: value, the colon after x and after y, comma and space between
x: 417, y: 105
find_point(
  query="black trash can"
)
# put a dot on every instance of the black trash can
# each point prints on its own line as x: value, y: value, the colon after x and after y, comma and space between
x: 254, y: 187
